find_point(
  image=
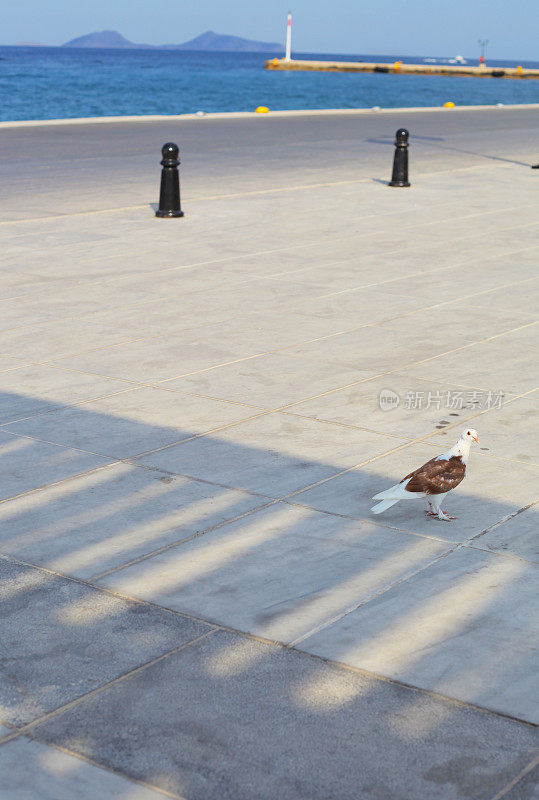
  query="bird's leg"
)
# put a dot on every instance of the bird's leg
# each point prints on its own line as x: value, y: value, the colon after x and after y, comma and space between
x: 429, y: 512
x: 444, y: 516
x: 439, y: 514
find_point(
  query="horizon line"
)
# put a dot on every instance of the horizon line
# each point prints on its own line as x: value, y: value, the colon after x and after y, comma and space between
x: 169, y: 46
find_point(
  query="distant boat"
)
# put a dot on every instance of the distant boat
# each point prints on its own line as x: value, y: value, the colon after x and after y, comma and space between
x: 456, y: 60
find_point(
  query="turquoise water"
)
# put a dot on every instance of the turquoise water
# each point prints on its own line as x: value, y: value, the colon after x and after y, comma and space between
x: 55, y: 82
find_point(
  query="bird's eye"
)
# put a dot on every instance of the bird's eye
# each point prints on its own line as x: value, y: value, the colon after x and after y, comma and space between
x: 468, y: 433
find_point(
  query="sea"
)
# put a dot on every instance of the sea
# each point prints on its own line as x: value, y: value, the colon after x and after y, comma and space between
x: 60, y: 82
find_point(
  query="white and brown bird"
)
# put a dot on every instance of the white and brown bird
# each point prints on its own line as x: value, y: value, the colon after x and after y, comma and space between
x: 433, y: 480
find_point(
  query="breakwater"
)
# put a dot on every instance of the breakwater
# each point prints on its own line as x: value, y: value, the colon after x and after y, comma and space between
x: 405, y: 69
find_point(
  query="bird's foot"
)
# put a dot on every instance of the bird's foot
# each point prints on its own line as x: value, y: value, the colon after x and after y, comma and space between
x: 430, y: 513
x: 446, y: 517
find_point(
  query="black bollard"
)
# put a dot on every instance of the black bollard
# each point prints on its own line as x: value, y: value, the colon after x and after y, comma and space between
x: 169, y: 196
x: 535, y: 166
x: 400, y: 159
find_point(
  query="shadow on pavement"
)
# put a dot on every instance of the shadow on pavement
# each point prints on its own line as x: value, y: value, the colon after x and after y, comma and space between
x: 151, y: 674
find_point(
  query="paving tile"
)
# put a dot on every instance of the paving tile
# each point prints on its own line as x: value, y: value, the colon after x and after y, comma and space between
x: 489, y: 493
x: 458, y: 323
x: 17, y: 283
x: 102, y: 520
x: 489, y: 365
x: 445, y: 282
x: 463, y: 627
x: 7, y: 364
x: 279, y: 572
x: 268, y: 381
x: 278, y: 261
x: 264, y: 331
x: 171, y: 279
x: 527, y: 787
x: 157, y: 358
x: 517, y: 536
x: 336, y: 274
x: 75, y: 639
x: 51, y: 340
x: 360, y: 271
x: 233, y: 718
x: 362, y: 306
x: 65, y: 301
x: 132, y: 422
x: 518, y: 297
x: 165, y: 315
x: 378, y: 348
x: 263, y: 294
x: 27, y: 464
x: 32, y: 390
x: 274, y: 454
x: 514, y: 237
x: 491, y: 220
x: 31, y: 770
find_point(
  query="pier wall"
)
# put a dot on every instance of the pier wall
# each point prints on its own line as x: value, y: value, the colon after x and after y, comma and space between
x: 405, y: 69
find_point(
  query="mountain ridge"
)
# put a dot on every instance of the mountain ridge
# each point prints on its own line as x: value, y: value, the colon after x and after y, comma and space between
x: 209, y: 40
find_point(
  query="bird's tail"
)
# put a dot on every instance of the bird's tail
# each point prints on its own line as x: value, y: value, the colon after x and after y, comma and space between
x: 392, y: 495
x: 383, y: 506
x: 395, y: 492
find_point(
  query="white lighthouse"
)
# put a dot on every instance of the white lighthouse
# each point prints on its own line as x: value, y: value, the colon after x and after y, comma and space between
x: 288, y: 37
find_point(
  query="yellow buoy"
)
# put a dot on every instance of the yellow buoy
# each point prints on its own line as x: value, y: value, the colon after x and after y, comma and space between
x: 397, y: 65
x: 275, y: 62
x: 449, y: 104
x: 519, y: 69
x: 261, y: 110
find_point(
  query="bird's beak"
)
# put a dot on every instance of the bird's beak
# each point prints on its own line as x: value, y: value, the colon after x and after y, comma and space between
x: 475, y: 439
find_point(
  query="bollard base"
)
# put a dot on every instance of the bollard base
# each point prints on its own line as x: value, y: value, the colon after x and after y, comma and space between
x: 159, y: 213
x: 399, y: 183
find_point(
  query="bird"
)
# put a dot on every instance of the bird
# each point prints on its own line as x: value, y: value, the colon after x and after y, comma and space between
x: 433, y: 480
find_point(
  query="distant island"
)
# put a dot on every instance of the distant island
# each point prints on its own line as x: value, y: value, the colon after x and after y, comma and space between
x: 206, y: 41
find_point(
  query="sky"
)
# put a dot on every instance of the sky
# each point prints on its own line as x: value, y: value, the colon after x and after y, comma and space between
x: 400, y: 27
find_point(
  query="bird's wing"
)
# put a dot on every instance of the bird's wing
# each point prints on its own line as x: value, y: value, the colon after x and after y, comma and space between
x: 437, y: 476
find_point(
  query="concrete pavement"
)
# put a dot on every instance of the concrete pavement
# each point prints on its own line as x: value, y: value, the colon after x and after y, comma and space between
x: 62, y: 169
x: 197, y: 600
